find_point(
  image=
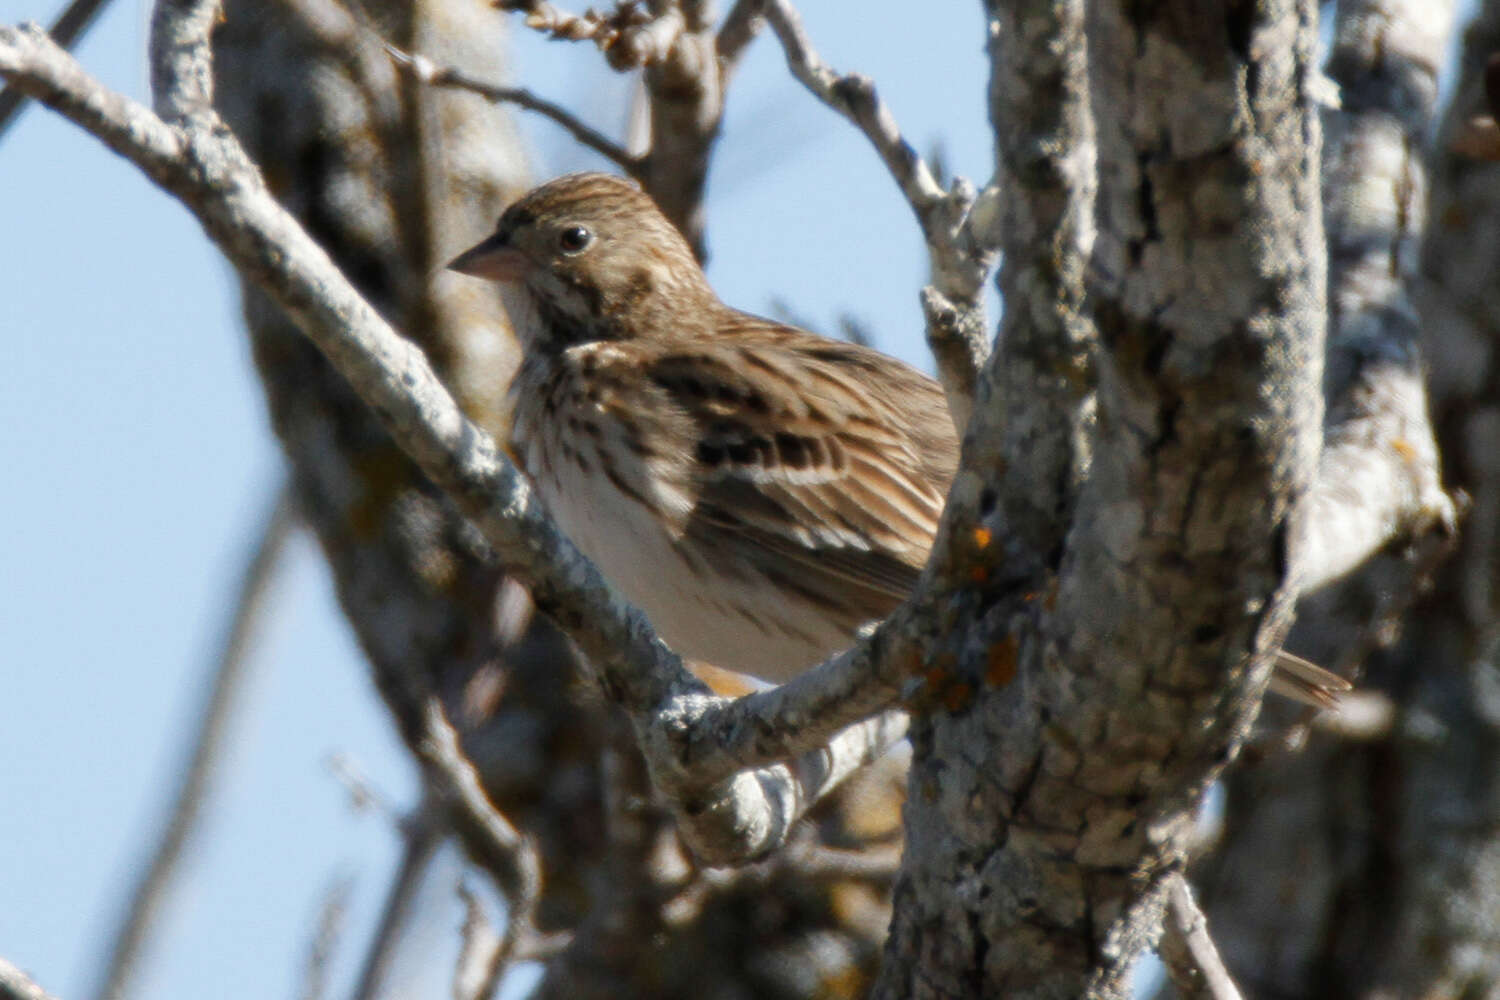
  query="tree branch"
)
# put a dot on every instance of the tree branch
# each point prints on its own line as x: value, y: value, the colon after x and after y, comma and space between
x: 674, y: 46
x: 958, y: 254
x: 506, y: 852
x: 320, y: 950
x: 182, y: 75
x: 1379, y: 477
x: 1188, y: 950
x: 743, y: 22
x: 66, y: 30
x: 446, y: 76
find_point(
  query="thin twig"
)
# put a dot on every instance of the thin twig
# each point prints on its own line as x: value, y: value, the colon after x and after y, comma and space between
x: 1188, y: 951
x: 479, y: 947
x: 331, y: 917
x: 959, y: 253
x: 506, y: 854
x: 853, y: 96
x: 458, y: 783
x: 226, y: 679
x: 430, y: 73
x: 744, y: 21
x: 630, y: 37
x: 182, y: 76
x: 66, y: 30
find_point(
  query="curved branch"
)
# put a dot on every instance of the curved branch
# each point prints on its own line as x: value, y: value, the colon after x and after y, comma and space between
x: 960, y: 253
x: 67, y: 29
x: 1188, y: 951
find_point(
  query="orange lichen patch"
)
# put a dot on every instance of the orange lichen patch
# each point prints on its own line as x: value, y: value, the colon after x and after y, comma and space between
x: 1000, y: 662
x: 982, y: 537
x: 1404, y: 448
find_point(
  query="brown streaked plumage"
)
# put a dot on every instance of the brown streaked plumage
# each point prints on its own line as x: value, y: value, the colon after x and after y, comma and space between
x: 759, y: 491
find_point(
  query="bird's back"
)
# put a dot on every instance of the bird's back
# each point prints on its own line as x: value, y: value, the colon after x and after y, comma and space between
x: 760, y: 493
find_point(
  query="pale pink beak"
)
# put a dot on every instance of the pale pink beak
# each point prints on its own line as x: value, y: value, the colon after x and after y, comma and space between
x: 494, y: 259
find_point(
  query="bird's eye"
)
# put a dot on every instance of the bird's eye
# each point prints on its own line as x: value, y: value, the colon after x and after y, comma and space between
x: 574, y: 239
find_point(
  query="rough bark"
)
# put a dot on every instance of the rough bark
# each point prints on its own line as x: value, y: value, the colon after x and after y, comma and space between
x: 1047, y: 805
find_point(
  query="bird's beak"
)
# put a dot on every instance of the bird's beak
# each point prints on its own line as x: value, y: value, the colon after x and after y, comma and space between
x: 494, y: 259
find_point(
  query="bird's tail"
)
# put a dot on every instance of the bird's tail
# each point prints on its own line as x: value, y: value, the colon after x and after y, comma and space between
x: 1305, y: 681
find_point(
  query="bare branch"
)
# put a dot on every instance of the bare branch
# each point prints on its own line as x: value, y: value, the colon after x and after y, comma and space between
x: 1188, y: 951
x: 630, y: 37
x: 853, y: 96
x: 479, y: 954
x: 16, y: 985
x: 225, y: 680
x: 1379, y: 478
x: 959, y: 261
x: 182, y: 78
x: 673, y: 43
x: 506, y: 851
x: 331, y: 916
x: 446, y: 76
x: 66, y: 30
x: 744, y: 21
x: 818, y: 862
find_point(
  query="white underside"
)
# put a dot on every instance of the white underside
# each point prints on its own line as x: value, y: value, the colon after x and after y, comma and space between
x: 704, y: 611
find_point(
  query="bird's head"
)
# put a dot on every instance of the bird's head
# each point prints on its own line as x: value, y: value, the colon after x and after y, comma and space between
x: 596, y: 260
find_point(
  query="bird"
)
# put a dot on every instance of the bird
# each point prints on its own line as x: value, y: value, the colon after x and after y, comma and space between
x: 761, y: 492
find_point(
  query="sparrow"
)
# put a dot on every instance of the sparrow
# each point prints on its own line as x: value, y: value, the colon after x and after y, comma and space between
x: 759, y: 491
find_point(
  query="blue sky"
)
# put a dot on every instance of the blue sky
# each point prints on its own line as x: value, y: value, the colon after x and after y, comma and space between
x: 138, y: 461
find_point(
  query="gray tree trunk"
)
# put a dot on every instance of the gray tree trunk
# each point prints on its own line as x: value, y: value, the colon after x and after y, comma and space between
x: 1047, y: 806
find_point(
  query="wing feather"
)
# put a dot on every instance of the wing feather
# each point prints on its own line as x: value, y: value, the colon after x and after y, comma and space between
x: 822, y: 455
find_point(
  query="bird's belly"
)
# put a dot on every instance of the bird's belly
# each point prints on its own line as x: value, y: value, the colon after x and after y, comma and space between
x: 712, y: 607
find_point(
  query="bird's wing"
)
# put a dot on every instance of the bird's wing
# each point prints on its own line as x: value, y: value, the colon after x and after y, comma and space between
x: 826, y: 455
